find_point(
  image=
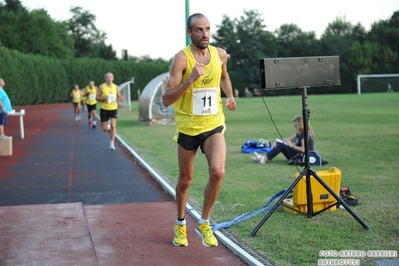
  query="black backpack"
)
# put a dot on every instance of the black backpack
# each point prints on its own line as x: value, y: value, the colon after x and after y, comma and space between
x: 314, y: 159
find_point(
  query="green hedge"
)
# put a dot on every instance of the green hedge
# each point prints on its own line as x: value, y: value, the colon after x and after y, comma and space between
x: 35, y: 79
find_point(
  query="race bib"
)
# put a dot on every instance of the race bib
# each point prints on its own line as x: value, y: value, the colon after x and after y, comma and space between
x: 205, y: 101
x: 111, y: 97
x: 92, y: 97
x: 76, y: 96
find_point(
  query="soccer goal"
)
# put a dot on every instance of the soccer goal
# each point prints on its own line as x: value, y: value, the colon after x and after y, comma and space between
x: 125, y: 91
x: 377, y: 83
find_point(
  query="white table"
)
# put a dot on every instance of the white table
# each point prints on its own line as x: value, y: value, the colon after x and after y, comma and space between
x: 21, y: 114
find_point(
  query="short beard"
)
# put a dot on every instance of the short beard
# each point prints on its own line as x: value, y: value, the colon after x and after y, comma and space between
x: 200, y: 45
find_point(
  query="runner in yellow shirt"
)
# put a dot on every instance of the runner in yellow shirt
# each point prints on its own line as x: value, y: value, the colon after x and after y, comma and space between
x: 76, y: 95
x: 91, y: 103
x: 197, y: 75
x: 108, y: 94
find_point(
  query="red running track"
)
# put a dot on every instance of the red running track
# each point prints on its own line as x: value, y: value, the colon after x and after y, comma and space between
x: 65, y: 199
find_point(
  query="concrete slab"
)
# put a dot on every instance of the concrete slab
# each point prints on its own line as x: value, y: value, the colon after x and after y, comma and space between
x: 53, y: 234
x: 142, y: 233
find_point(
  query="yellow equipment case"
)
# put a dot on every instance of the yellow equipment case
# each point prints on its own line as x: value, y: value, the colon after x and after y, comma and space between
x: 321, y: 197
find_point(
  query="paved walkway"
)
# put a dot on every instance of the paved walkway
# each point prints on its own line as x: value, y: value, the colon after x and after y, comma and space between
x: 65, y: 199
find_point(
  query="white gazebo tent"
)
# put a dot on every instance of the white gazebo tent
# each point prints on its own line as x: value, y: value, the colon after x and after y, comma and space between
x: 151, y: 109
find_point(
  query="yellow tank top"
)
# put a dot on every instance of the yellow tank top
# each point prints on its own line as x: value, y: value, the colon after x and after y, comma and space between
x: 200, y: 108
x: 109, y: 91
x: 91, y: 95
x: 76, y: 96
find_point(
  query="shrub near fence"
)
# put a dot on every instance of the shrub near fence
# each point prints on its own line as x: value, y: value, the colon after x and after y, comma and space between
x: 32, y: 79
x: 35, y: 79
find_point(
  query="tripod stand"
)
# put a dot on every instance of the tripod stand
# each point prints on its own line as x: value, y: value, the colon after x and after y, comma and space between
x: 308, y: 172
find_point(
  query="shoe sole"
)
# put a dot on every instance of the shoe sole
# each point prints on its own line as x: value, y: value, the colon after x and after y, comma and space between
x: 176, y: 245
x: 202, y: 238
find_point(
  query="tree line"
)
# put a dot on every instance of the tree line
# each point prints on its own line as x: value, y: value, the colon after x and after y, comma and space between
x: 35, y: 32
x: 360, y: 51
x: 78, y: 44
x: 42, y: 59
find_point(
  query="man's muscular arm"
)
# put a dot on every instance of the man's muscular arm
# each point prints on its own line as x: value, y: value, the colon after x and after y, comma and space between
x: 99, y: 92
x: 225, y: 82
x: 175, y: 87
x: 119, y: 95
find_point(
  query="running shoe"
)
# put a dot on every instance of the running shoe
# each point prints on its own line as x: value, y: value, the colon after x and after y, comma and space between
x: 112, y: 146
x: 94, y: 124
x: 89, y: 123
x: 205, y: 232
x: 258, y: 158
x: 76, y: 118
x: 180, y: 239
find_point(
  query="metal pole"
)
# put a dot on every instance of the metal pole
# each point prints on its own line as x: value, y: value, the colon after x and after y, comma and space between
x: 187, y: 15
x: 305, y: 116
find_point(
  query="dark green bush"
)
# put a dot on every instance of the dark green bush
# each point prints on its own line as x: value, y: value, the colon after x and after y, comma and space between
x: 35, y: 79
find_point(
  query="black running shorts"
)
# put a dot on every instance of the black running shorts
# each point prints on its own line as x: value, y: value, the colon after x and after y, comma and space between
x: 105, y: 115
x: 91, y: 107
x: 193, y: 142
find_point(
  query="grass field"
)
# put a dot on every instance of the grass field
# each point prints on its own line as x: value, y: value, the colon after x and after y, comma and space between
x: 358, y: 134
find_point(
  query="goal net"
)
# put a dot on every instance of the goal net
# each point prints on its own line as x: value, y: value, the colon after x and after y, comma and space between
x: 125, y: 91
x: 377, y: 83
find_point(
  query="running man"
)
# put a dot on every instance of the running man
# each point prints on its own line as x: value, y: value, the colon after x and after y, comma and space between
x: 76, y: 95
x: 91, y: 103
x: 196, y: 76
x: 108, y: 94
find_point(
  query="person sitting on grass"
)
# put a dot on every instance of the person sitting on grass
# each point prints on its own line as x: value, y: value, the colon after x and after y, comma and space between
x: 290, y: 146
